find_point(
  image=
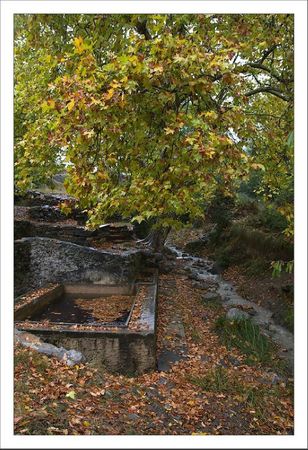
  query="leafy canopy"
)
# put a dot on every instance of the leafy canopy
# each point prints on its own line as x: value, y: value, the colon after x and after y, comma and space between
x: 151, y: 114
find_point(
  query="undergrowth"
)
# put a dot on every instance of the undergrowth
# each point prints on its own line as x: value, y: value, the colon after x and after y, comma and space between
x: 220, y: 381
x: 246, y: 336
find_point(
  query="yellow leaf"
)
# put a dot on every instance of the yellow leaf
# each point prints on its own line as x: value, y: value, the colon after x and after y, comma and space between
x: 258, y: 166
x: 158, y: 68
x: 169, y: 130
x: 89, y: 134
x: 115, y: 84
x: 71, y: 105
x: 86, y: 423
x: 211, y: 115
x: 47, y: 105
x: 79, y: 44
x: 109, y: 94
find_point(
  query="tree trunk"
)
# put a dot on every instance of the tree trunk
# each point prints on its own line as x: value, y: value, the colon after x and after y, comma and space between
x: 156, y: 238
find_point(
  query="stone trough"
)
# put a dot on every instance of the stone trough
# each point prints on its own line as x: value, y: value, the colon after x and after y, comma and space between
x: 113, y: 326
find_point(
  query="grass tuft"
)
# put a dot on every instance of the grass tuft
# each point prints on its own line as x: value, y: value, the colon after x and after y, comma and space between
x: 215, y: 380
x: 254, y: 396
x: 246, y: 336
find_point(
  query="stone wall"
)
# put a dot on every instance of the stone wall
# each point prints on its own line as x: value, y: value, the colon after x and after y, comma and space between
x: 123, y: 352
x: 36, y: 198
x: 73, y: 233
x: 39, y: 261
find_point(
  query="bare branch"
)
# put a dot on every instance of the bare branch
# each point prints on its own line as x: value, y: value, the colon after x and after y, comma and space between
x: 266, y: 53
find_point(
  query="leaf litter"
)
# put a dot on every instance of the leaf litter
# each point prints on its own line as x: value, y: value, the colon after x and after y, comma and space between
x: 203, y: 394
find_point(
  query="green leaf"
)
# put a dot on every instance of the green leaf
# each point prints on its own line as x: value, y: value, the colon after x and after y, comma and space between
x: 290, y: 141
x: 138, y: 219
x: 71, y: 394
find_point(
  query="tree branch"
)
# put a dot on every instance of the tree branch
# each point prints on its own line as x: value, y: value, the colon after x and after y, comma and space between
x: 267, y: 53
x: 268, y: 89
x: 141, y: 27
x: 257, y: 65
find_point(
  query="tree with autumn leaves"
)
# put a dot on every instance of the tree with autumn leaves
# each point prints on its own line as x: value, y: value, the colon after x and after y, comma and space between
x: 151, y: 115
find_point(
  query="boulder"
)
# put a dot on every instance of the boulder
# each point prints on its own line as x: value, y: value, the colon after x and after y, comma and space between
x: 236, y: 314
x: 211, y: 297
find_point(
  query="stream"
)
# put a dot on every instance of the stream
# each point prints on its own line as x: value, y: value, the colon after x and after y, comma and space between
x: 201, y: 271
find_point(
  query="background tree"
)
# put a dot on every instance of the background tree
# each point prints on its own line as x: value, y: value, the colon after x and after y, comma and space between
x: 150, y: 114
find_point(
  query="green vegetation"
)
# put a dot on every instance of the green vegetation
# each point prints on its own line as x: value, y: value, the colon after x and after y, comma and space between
x: 215, y: 380
x: 151, y: 115
x: 220, y: 381
x: 195, y: 336
x: 213, y: 304
x: 246, y: 336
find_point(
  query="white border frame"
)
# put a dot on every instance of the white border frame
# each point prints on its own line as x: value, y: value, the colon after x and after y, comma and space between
x: 299, y: 8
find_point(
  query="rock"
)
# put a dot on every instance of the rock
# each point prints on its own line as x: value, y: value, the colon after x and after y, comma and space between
x: 49, y: 226
x: 73, y: 357
x: 202, y: 275
x: 108, y: 394
x: 211, y: 296
x: 276, y: 379
x: 35, y: 198
x: 236, y: 314
x: 46, y: 213
x: 133, y: 416
x: 70, y: 357
x: 272, y: 378
x: 166, y: 359
x: 193, y: 275
x: 198, y: 285
x: 251, y: 311
x: 234, y: 361
x: 216, y: 269
x: 165, y: 382
x: 152, y: 393
x: 222, y: 363
x: 157, y: 409
x: 23, y: 336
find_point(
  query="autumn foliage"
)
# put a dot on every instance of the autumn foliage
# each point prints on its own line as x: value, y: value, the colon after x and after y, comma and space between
x: 150, y: 114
